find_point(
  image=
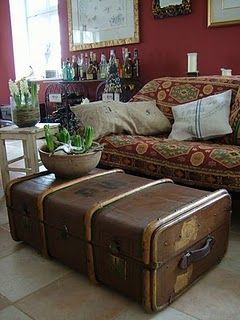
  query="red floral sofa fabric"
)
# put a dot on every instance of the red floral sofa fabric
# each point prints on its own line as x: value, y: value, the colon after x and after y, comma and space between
x: 210, y: 164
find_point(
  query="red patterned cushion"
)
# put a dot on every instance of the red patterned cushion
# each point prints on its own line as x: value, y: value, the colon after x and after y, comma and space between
x: 171, y: 91
x: 192, y: 163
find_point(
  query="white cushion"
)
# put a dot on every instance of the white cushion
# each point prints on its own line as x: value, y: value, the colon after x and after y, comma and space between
x: 205, y: 118
x: 111, y: 117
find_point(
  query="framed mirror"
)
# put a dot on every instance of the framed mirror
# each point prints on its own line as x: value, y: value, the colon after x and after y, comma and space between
x: 170, y: 8
x: 102, y: 23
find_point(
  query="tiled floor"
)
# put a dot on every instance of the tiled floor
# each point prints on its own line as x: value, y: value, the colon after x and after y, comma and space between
x: 32, y: 287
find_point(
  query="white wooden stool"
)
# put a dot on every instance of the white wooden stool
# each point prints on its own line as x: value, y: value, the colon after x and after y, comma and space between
x: 29, y: 137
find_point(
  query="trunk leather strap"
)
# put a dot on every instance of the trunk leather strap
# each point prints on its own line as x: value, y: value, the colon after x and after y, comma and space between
x: 18, y: 180
x: 9, y: 199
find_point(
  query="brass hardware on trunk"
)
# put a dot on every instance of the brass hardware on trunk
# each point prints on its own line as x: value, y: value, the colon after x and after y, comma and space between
x: 114, y: 247
x: 170, y: 299
x: 64, y: 233
x: 118, y: 267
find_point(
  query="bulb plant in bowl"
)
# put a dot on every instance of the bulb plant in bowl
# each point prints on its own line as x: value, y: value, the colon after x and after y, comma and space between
x: 70, y: 156
x: 25, y: 104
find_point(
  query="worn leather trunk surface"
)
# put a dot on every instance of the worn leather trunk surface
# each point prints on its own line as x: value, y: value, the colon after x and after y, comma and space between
x: 150, y: 240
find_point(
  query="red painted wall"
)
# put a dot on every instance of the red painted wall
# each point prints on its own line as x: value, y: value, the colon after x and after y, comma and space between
x: 6, y: 52
x: 163, y: 45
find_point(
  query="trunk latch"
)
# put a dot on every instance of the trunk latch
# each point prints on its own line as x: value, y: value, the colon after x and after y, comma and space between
x: 114, y: 247
x: 64, y: 233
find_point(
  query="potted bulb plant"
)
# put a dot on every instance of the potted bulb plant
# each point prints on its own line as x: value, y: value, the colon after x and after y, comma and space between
x: 25, y: 105
x: 70, y: 156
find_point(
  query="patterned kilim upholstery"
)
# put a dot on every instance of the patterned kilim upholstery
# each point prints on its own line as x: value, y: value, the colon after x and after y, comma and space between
x: 208, y: 164
x: 192, y: 163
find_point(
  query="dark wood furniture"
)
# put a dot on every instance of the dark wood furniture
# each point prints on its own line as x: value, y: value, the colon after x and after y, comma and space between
x: 61, y: 94
x: 129, y: 88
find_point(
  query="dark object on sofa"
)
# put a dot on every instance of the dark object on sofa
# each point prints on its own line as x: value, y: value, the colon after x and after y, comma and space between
x: 66, y: 118
x: 148, y: 239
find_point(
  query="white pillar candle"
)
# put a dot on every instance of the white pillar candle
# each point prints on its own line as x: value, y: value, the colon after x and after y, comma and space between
x: 192, y: 62
x: 226, y: 72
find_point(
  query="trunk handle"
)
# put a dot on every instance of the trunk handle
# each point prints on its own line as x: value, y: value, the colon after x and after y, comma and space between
x: 196, y: 255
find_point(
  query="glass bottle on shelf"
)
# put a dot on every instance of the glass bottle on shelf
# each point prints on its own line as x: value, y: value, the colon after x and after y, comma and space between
x: 89, y: 73
x: 80, y: 66
x: 135, y: 66
x: 124, y: 54
x: 74, y: 68
x: 90, y: 68
x: 85, y: 67
x: 64, y: 70
x: 103, y: 66
x: 127, y: 67
x: 112, y: 67
x: 95, y: 66
x: 119, y: 68
x: 69, y: 70
x: 124, y: 57
x: 90, y: 56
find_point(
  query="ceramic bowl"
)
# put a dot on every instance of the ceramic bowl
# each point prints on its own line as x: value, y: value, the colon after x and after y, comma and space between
x: 70, y: 165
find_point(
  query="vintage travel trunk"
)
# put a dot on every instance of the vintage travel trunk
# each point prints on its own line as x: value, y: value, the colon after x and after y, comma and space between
x: 148, y: 239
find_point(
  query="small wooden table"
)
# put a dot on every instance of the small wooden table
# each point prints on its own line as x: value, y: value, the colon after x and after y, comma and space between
x: 29, y: 137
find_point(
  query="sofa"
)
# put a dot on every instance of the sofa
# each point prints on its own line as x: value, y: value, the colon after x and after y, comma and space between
x: 207, y: 164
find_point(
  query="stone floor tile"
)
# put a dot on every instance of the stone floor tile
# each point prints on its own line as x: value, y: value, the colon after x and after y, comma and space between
x: 12, y: 313
x: 231, y: 260
x: 14, y: 148
x: 25, y: 271
x: 135, y: 312
x: 4, y: 302
x: 73, y: 297
x: 6, y: 226
x: 7, y: 244
x: 215, y: 297
x: 1, y: 189
x: 3, y: 211
x: 235, y: 222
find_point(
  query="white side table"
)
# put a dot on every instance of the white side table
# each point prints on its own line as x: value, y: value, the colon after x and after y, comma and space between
x: 29, y: 137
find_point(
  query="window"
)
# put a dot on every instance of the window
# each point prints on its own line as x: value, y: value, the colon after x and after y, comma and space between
x: 36, y: 37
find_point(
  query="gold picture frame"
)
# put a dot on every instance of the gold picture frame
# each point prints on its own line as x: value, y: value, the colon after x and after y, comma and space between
x: 223, y: 12
x: 102, y: 23
x: 170, y: 8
